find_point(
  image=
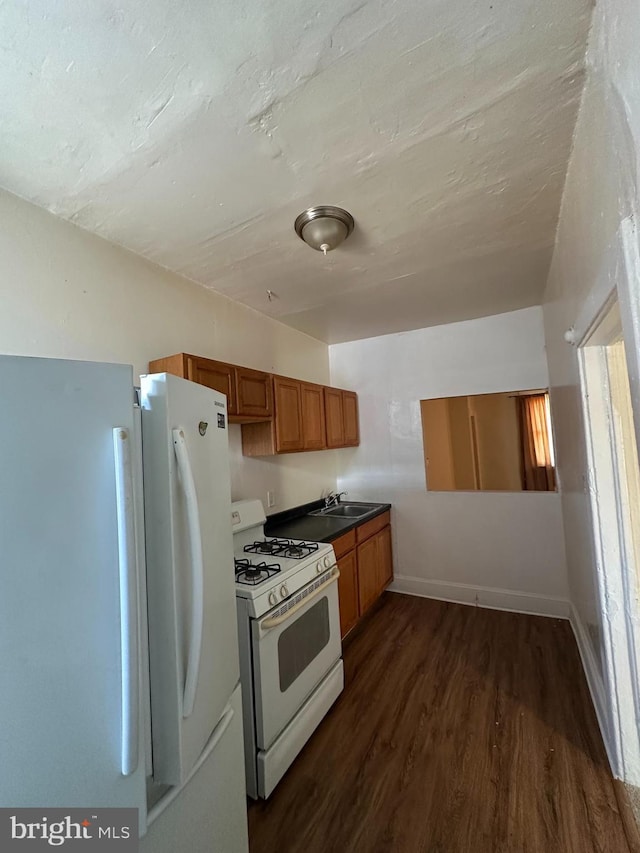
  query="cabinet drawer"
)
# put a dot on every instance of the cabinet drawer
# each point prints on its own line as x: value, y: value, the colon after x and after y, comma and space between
x: 370, y: 527
x: 344, y: 543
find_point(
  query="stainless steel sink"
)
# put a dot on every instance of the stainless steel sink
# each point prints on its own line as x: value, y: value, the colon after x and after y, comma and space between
x: 345, y: 510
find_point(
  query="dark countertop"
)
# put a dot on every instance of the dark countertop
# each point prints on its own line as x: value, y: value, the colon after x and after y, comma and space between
x: 296, y: 523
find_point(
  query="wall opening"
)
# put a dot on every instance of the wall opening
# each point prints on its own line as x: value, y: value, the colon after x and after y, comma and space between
x: 489, y: 442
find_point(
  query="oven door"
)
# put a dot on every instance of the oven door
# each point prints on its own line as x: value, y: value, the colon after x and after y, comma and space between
x: 294, y: 646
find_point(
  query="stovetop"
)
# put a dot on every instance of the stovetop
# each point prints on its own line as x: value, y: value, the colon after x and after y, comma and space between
x: 269, y: 569
x: 261, y: 559
x: 253, y: 569
x: 294, y: 549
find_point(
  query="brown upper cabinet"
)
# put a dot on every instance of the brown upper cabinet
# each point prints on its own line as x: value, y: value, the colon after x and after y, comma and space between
x: 278, y: 414
x: 342, y: 417
x: 313, y: 417
x: 298, y: 422
x: 335, y: 417
x: 253, y: 393
x: 350, y: 418
x: 248, y: 392
x: 214, y: 374
x: 289, y: 429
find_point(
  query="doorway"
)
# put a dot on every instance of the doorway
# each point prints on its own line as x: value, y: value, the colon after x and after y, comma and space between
x: 614, y: 485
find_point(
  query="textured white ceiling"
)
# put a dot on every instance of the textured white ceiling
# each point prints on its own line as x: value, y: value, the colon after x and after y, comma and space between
x: 193, y: 132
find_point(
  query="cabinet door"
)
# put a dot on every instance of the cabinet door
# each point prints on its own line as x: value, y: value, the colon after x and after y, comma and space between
x: 253, y: 389
x: 288, y: 405
x: 313, y: 423
x: 348, y: 592
x: 350, y: 415
x: 368, y: 574
x: 344, y: 543
x: 385, y: 560
x: 216, y: 375
x: 334, y: 417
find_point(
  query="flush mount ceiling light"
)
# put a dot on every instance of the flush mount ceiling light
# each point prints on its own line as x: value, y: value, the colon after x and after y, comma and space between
x: 324, y: 227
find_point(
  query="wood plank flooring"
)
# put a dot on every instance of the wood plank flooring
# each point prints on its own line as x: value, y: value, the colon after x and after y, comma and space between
x: 460, y: 730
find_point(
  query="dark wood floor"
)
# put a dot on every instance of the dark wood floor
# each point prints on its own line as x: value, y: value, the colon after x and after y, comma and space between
x: 460, y: 730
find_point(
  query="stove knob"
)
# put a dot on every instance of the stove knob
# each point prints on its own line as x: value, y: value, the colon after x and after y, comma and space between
x: 284, y: 592
x: 273, y: 598
x: 327, y: 561
x: 319, y: 566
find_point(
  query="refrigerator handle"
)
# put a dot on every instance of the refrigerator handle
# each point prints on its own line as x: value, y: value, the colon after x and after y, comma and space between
x: 197, y: 572
x: 128, y: 599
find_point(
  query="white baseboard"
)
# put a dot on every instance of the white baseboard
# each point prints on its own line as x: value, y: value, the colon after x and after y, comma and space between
x: 596, y: 687
x: 483, y: 596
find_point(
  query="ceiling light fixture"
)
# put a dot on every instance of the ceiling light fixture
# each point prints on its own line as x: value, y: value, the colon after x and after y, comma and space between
x: 324, y: 227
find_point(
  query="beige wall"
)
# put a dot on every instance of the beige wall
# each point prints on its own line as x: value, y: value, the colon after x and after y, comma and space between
x: 68, y: 294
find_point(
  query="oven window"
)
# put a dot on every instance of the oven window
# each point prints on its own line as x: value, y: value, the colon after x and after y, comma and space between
x: 302, y: 641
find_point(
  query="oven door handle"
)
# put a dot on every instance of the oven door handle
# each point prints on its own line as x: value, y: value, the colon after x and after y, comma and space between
x: 274, y: 621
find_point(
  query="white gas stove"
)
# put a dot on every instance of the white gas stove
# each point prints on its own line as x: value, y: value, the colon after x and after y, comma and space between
x: 271, y: 570
x: 289, y: 638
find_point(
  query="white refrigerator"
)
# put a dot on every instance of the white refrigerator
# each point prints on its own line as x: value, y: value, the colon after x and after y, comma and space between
x: 119, y: 678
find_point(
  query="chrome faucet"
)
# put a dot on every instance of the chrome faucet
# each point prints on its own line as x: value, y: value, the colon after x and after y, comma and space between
x: 333, y: 499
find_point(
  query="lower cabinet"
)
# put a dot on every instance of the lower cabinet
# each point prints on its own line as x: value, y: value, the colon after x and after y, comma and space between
x: 385, y: 558
x: 348, y: 592
x: 366, y: 569
x: 368, y: 575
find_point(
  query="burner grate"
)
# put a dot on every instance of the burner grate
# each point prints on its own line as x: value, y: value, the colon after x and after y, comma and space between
x: 251, y: 574
x: 293, y: 549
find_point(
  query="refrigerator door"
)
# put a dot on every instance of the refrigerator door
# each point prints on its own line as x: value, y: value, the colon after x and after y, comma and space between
x: 209, y: 814
x: 70, y: 707
x: 193, y: 641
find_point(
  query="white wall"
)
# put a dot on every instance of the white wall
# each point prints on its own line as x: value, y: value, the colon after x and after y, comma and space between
x: 68, y: 294
x: 601, y: 190
x: 452, y: 544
